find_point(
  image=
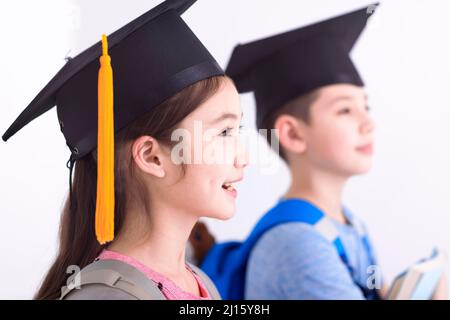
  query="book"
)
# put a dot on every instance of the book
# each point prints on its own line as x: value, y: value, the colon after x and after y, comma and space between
x: 419, y: 282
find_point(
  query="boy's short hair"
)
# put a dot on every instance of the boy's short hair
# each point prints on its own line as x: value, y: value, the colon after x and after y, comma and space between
x: 298, y: 107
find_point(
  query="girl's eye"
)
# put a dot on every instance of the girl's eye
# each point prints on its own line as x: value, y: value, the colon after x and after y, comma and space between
x: 368, y: 108
x: 227, y: 132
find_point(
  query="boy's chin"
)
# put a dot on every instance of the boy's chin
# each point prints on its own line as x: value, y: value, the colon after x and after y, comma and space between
x: 359, y: 169
x: 349, y: 170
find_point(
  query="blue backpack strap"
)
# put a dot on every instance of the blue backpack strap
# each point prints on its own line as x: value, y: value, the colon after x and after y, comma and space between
x: 363, y: 234
x: 298, y: 210
x: 370, y: 294
x: 226, y: 263
x: 328, y: 230
x: 362, y: 231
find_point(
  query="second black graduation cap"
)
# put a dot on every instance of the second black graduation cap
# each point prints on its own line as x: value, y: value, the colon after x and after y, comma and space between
x: 153, y: 57
x: 285, y: 66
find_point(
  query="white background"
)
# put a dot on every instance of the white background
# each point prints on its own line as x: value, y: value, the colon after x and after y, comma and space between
x: 402, y: 56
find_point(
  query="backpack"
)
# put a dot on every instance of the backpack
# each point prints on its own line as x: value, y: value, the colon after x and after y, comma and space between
x: 121, y: 281
x: 226, y: 263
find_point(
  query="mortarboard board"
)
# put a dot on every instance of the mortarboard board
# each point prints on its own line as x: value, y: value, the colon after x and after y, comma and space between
x: 282, y: 67
x: 154, y: 57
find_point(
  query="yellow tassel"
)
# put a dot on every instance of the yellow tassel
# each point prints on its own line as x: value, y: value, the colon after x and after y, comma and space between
x: 104, y: 210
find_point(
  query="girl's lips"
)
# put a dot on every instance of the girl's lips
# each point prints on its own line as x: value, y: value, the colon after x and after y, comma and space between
x: 231, y: 192
x: 366, y: 149
x: 230, y: 188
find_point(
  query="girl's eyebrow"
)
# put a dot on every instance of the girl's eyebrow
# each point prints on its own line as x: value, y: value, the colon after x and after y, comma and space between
x: 225, y: 116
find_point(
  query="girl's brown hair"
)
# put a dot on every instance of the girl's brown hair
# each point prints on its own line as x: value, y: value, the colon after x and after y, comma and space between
x: 78, y: 244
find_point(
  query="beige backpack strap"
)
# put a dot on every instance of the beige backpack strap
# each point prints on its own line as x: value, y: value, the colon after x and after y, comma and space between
x: 115, y: 274
x: 215, y: 295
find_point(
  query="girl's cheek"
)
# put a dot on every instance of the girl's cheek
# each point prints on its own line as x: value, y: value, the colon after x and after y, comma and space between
x: 208, y: 151
x: 222, y: 151
x: 231, y: 146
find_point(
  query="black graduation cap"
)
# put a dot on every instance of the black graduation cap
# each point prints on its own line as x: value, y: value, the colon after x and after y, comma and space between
x: 153, y: 57
x: 285, y: 66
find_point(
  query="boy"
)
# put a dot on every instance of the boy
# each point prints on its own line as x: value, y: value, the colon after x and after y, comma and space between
x: 308, y: 246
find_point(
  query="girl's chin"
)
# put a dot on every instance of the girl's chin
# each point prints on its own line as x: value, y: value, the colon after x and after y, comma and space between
x: 222, y: 215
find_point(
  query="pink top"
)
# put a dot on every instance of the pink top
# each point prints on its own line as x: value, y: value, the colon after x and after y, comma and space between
x: 169, y: 289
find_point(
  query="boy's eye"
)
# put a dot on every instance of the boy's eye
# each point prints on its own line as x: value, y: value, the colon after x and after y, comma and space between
x: 344, y: 111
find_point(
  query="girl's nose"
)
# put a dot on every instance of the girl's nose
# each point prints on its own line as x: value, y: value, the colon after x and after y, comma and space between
x: 242, y: 158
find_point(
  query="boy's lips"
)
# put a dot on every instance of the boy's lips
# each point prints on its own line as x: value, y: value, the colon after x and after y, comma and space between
x: 366, y: 149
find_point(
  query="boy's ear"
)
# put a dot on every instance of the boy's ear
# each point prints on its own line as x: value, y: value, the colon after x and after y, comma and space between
x: 291, y: 134
x: 148, y: 156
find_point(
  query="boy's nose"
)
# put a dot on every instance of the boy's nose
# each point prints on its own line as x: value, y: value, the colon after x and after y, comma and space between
x: 368, y: 126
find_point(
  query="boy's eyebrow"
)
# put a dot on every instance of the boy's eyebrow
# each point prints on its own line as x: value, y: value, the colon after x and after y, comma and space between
x: 225, y: 116
x: 346, y: 97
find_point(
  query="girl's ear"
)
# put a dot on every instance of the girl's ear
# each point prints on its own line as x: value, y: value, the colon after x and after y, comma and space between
x: 147, y: 154
x: 291, y: 134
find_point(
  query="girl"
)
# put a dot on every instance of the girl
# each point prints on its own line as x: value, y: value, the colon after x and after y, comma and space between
x: 167, y: 88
